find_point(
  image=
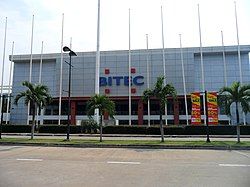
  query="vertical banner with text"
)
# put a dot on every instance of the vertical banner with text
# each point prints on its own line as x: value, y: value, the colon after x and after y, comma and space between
x: 212, y: 108
x: 196, y: 109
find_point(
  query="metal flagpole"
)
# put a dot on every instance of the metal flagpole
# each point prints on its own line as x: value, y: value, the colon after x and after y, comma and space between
x: 97, y: 68
x: 40, y: 80
x: 224, y: 64
x: 31, y: 56
x: 41, y: 65
x: 239, y: 57
x: 129, y: 68
x: 164, y: 62
x: 202, y: 69
x: 184, y: 81
x: 224, y: 59
x: 8, y: 97
x: 148, y: 79
x: 60, y: 84
x: 4, y: 47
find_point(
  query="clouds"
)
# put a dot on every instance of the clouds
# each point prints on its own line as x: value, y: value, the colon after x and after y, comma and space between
x: 180, y: 16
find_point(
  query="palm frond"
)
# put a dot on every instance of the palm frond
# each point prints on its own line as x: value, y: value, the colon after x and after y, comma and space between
x: 244, y: 90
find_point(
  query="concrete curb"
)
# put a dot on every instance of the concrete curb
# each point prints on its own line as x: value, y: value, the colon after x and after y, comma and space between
x: 128, y: 146
x: 127, y: 135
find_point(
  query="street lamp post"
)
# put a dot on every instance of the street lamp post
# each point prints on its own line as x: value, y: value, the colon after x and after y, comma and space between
x: 71, y: 53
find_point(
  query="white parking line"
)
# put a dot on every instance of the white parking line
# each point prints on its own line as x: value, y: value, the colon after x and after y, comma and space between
x: 30, y: 159
x: 242, y: 154
x: 114, y: 162
x: 234, y: 165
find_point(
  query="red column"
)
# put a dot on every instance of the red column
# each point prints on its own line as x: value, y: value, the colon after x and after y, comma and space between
x: 106, y: 116
x: 73, y: 113
x: 140, y: 112
x: 176, y: 112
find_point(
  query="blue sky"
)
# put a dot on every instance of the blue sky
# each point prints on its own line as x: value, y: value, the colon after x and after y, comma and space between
x: 180, y: 16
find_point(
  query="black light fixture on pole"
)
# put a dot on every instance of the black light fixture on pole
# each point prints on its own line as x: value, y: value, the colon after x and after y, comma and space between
x: 71, y: 53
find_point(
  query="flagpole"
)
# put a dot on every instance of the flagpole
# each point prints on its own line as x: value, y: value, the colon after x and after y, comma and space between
x: 4, y: 48
x: 202, y: 69
x: 41, y: 64
x: 163, y: 61
x: 148, y: 79
x: 239, y: 57
x: 97, y: 73
x: 31, y: 56
x: 184, y: 81
x: 40, y: 80
x: 61, y: 67
x: 8, y: 98
x: 224, y: 64
x: 129, y: 69
x: 224, y: 59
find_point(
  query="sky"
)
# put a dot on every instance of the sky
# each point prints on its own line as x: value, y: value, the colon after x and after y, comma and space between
x: 80, y: 24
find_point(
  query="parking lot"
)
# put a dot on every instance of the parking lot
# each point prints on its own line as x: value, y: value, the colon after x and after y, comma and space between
x: 60, y: 166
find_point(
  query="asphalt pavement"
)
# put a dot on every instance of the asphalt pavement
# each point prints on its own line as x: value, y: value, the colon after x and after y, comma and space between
x: 56, y: 166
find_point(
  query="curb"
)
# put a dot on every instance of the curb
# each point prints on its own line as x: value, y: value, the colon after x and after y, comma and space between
x: 127, y: 135
x: 128, y: 146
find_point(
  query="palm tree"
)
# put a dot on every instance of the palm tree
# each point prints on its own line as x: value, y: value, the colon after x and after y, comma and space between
x: 38, y: 97
x: 239, y: 95
x: 103, y: 104
x: 160, y: 92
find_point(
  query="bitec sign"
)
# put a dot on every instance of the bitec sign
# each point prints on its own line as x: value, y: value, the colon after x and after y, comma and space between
x: 121, y: 80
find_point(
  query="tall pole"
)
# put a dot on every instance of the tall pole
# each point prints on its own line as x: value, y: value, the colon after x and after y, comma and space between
x: 163, y: 61
x: 129, y: 69
x: 1, y: 123
x: 206, y: 118
x: 224, y: 59
x: 184, y: 81
x: 148, y: 79
x: 4, y: 47
x: 69, y: 103
x: 97, y: 67
x: 60, y: 84
x: 31, y: 55
x: 224, y: 65
x: 202, y: 69
x: 239, y: 57
x: 41, y: 65
x: 8, y: 97
x: 40, y: 78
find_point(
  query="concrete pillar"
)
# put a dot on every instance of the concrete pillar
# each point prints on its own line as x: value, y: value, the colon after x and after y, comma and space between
x: 140, y: 112
x: 176, y: 111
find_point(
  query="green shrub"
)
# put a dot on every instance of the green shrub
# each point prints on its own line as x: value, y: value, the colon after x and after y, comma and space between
x: 89, y: 126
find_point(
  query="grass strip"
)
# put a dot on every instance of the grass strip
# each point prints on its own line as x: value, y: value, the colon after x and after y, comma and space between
x: 126, y: 142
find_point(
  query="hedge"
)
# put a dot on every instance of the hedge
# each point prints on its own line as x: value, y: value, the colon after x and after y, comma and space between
x: 153, y: 130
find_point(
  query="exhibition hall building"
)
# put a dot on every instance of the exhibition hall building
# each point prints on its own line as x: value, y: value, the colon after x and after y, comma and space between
x: 146, y: 66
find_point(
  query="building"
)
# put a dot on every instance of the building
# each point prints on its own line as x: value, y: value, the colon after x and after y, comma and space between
x: 114, y: 80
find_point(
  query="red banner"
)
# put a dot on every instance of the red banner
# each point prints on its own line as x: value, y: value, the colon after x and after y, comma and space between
x: 196, y: 109
x: 212, y: 108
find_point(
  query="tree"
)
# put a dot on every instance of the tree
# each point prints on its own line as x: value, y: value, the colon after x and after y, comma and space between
x: 103, y: 104
x: 240, y: 95
x: 160, y: 92
x: 38, y: 97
